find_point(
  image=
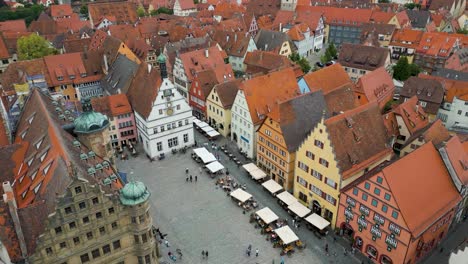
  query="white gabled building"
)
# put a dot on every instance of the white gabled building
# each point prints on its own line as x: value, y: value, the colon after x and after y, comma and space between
x: 163, y: 117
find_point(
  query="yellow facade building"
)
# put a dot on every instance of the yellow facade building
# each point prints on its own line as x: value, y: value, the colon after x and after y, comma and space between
x: 336, y: 152
x: 218, y: 106
x: 281, y: 133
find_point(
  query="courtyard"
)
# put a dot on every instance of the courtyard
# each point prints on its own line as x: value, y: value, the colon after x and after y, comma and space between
x: 199, y: 216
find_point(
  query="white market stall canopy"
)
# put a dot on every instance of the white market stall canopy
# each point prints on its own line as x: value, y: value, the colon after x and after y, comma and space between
x: 215, y: 166
x: 286, y: 235
x: 204, y: 155
x: 267, y: 215
x: 299, y: 209
x: 317, y: 221
x: 202, y: 124
x: 272, y: 186
x: 213, y: 133
x: 250, y: 167
x: 286, y: 198
x: 207, y: 129
x: 196, y: 121
x: 241, y: 195
x: 258, y: 174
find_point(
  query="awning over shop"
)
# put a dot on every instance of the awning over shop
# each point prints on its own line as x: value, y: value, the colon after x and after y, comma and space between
x: 241, y: 195
x: 250, y: 167
x: 196, y: 121
x: 286, y: 198
x: 204, y: 155
x: 202, y: 124
x: 267, y: 215
x: 286, y: 235
x: 272, y: 186
x: 299, y: 209
x: 213, y: 133
x: 317, y: 221
x: 207, y: 129
x: 215, y: 166
x: 258, y: 174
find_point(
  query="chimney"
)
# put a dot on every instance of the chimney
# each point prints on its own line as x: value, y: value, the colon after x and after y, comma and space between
x: 235, y: 37
x: 108, y: 32
x: 280, y: 27
x: 266, y: 47
x: 206, y: 53
x: 9, y: 199
x: 227, y: 38
x: 106, y: 65
x: 85, y: 51
x: 149, y: 67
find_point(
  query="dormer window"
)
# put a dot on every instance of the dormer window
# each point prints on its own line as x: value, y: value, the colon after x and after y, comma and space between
x: 36, y: 189
x: 33, y: 176
x: 60, y: 78
x: 31, y: 119
x: 24, y: 194
x: 43, y: 156
x: 72, y: 77
x: 38, y: 144
x: 30, y: 161
x: 46, y: 169
x: 83, y: 74
x: 24, y: 134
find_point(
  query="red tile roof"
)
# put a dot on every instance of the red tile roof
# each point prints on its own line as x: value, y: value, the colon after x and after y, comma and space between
x: 458, y: 157
x: 336, y: 15
x: 4, y: 137
x: 60, y: 10
x: 359, y: 138
x: 263, y: 93
x: 406, y: 38
x: 211, y: 58
x: 382, y: 17
x: 124, y: 12
x: 259, y: 61
x: 327, y: 79
x: 4, y: 54
x: 144, y: 89
x: 13, y: 26
x: 438, y: 44
x: 412, y: 114
x: 425, y: 169
x: 377, y: 86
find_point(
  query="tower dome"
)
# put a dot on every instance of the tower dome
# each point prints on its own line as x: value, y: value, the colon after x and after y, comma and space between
x: 134, y: 193
x: 161, y: 58
x: 90, y: 121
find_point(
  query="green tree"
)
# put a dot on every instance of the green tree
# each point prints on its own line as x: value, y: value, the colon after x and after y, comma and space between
x: 462, y: 31
x: 162, y: 10
x: 29, y: 13
x: 33, y: 47
x: 332, y: 50
x: 140, y: 11
x: 403, y: 69
x: 84, y: 9
x: 301, y: 61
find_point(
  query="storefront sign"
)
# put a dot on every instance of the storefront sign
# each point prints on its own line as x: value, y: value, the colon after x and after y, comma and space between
x: 364, y: 210
x: 375, y: 231
x: 350, y: 201
x: 349, y: 213
x: 379, y: 219
x: 394, y: 228
x: 391, y: 241
x: 243, y: 138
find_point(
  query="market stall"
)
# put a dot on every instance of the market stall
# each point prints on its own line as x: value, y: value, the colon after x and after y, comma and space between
x: 272, y: 186
x: 299, y: 209
x: 212, y: 133
x: 204, y: 155
x: 250, y: 167
x: 202, y: 125
x: 241, y: 195
x: 286, y: 198
x: 267, y: 215
x: 286, y: 235
x: 258, y: 174
x: 317, y: 223
x: 196, y: 121
x: 215, y: 166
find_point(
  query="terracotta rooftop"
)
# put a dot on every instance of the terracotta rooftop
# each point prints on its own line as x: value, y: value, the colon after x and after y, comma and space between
x: 427, y: 90
x: 186, y: 4
x: 406, y: 38
x: 263, y: 7
x: 453, y: 88
x: 234, y: 43
x: 4, y: 137
x: 438, y: 44
x: 425, y: 169
x: 340, y: 99
x: 358, y: 137
x: 227, y: 92
x: 263, y: 93
x: 377, y: 85
x: 206, y: 80
x: 262, y: 61
x: 18, y: 25
x: 17, y: 72
x: 210, y: 58
x: 362, y: 57
x: 60, y: 10
x: 124, y: 12
x: 144, y: 89
x: 327, y: 79
x: 412, y: 114
x: 458, y: 157
x: 340, y: 16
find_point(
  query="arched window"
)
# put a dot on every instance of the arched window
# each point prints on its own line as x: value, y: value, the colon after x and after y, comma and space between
x: 372, y: 251
x: 385, y: 260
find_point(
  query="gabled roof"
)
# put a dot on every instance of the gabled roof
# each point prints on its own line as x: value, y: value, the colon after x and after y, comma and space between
x: 376, y: 85
x: 112, y: 105
x: 458, y: 158
x: 124, y: 12
x: 120, y: 75
x: 340, y: 99
x: 18, y: 25
x: 418, y: 18
x: 144, y: 89
x: 17, y: 72
x: 406, y: 38
x: 61, y: 10
x: 358, y: 137
x: 438, y: 44
x: 263, y: 7
x: 433, y: 132
x: 269, y: 40
x: 210, y: 58
x: 412, y: 114
x: 264, y: 92
x: 186, y: 4
x: 227, y: 92
x: 425, y: 89
x: 424, y: 169
x: 206, y: 80
x: 327, y: 79
x: 298, y: 116
x: 4, y: 54
x: 263, y: 61
x: 337, y: 15
x: 234, y: 43
x: 362, y: 57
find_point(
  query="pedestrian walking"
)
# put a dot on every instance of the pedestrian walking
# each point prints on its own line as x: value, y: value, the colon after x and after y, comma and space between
x: 191, y: 178
x: 186, y: 179
x: 196, y: 178
x: 166, y: 243
x: 186, y: 170
x: 203, y: 253
x: 248, y: 252
x: 206, y: 253
x: 326, y: 248
x: 294, y: 222
x: 282, y: 260
x: 334, y: 239
x: 256, y: 252
x: 441, y: 249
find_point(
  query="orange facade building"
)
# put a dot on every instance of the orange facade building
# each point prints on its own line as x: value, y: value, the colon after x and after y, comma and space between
x: 401, y: 210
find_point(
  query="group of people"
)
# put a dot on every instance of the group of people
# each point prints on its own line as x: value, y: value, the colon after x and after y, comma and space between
x: 204, y: 253
x: 249, y: 251
x: 190, y: 177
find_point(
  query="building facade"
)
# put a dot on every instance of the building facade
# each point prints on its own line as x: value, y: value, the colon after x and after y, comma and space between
x: 218, y: 106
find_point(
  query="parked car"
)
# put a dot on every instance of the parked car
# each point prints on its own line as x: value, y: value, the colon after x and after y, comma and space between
x: 330, y: 63
x: 319, y: 64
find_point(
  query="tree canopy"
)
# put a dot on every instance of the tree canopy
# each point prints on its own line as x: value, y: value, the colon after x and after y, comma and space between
x: 140, y: 11
x: 162, y: 10
x: 301, y: 61
x: 403, y: 69
x: 29, y: 13
x: 33, y: 47
x: 330, y: 53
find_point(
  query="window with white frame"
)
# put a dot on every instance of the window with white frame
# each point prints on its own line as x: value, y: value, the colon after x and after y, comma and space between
x: 173, y: 142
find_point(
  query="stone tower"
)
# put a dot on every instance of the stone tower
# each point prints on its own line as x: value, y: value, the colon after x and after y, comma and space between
x: 92, y: 130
